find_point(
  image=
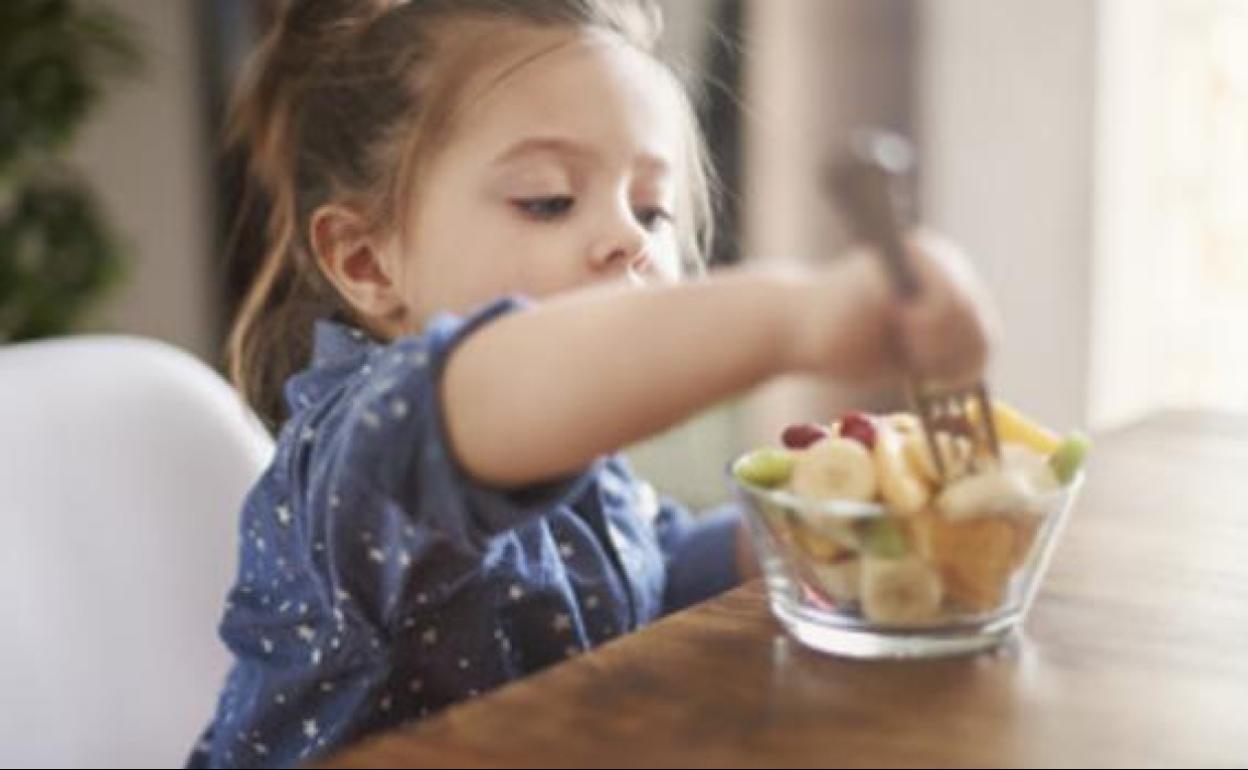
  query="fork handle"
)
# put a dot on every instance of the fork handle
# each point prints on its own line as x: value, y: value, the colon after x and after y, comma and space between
x: 866, y: 182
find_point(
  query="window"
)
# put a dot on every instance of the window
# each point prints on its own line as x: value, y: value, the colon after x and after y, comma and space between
x: 1171, y: 294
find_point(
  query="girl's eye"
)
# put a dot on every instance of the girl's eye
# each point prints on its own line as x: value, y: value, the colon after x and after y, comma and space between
x: 651, y: 217
x: 545, y: 208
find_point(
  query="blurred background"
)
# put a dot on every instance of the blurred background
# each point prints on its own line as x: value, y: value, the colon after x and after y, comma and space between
x: 1092, y: 158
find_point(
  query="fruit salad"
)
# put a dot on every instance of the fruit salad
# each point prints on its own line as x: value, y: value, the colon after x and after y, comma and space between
x: 869, y: 529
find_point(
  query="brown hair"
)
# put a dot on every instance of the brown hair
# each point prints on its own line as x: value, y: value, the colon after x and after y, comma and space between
x: 342, y: 101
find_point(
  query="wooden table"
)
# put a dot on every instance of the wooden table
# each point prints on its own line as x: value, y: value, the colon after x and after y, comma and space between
x: 1136, y: 653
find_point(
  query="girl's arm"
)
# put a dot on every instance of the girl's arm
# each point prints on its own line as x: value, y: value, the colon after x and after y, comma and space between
x: 539, y: 394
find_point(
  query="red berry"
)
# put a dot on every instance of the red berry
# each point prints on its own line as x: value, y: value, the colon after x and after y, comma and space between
x: 859, y: 427
x: 803, y: 434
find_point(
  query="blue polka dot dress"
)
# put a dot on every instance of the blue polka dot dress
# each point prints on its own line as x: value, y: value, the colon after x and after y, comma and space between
x: 378, y: 583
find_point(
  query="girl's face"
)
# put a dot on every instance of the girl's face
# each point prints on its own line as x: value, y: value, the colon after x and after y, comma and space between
x: 560, y: 173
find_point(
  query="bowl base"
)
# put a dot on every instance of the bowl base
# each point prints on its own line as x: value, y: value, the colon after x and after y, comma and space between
x: 820, y: 632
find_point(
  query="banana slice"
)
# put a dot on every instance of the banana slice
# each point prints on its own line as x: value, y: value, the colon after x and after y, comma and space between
x: 920, y: 457
x: 901, y: 487
x: 834, y: 469
x: 913, y: 445
x: 900, y: 591
x: 842, y: 580
x: 904, y: 422
x: 984, y: 494
x: 1032, y: 465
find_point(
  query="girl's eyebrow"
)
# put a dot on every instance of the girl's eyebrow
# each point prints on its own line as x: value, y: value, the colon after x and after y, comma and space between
x: 573, y: 149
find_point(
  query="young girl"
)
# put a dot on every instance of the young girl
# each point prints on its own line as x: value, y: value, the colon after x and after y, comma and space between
x: 478, y: 210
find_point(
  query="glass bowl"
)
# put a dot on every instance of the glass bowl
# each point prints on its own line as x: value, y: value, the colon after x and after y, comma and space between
x: 853, y: 579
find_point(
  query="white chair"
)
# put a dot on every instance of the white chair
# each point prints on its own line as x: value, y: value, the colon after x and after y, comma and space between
x: 123, y: 463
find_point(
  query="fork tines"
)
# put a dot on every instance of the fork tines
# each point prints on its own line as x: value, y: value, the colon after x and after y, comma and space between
x: 947, y: 411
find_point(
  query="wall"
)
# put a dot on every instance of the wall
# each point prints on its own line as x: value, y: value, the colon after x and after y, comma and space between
x: 1006, y: 94
x: 144, y: 153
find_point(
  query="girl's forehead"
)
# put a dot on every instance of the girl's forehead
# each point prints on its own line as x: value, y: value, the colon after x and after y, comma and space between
x: 584, y: 86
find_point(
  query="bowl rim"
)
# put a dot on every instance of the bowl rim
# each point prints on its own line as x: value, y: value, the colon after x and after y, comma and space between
x: 856, y: 509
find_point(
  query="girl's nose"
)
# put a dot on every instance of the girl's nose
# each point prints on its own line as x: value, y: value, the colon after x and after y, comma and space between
x: 621, y: 245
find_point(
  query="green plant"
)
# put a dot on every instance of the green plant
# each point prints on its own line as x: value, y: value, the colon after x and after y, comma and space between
x: 57, y: 253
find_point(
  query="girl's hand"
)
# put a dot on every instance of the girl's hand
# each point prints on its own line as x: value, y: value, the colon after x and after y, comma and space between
x: 852, y: 326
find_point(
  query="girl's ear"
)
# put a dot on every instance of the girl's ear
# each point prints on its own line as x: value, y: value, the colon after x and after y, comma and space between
x: 356, y: 264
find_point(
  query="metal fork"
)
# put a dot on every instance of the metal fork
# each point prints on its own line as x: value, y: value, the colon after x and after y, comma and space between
x: 866, y: 184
